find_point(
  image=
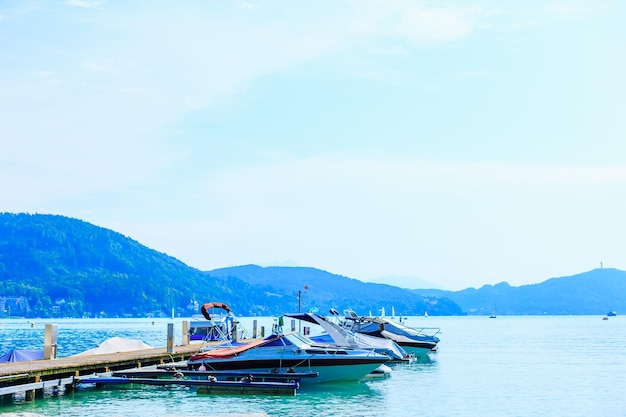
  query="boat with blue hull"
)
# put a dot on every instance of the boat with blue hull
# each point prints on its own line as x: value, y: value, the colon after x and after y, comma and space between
x: 290, y: 352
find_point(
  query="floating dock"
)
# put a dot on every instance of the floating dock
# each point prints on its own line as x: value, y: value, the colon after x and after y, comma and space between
x: 205, y: 386
x: 33, y: 377
x: 179, y: 372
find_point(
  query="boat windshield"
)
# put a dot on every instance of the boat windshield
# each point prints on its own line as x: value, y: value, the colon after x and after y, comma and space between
x: 298, y: 340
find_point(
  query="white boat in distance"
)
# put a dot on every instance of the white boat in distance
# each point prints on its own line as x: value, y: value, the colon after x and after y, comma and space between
x: 290, y: 352
x: 415, y: 341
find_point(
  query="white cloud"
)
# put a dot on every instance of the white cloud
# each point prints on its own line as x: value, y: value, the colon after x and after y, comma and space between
x: 433, y: 25
x: 87, y: 4
x: 569, y: 9
x: 248, y: 6
x: 100, y: 66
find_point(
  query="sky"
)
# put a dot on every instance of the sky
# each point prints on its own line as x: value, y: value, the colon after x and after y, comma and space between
x: 461, y: 142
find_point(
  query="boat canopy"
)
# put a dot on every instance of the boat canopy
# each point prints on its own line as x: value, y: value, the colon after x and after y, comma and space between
x: 207, y: 306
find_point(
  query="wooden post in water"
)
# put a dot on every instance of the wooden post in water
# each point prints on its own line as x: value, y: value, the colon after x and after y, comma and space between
x: 234, y: 335
x: 293, y: 325
x: 50, y: 341
x: 254, y: 329
x: 185, y: 333
x: 170, y: 337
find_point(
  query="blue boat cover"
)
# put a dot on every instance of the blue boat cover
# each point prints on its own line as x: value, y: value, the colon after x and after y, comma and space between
x: 19, y: 355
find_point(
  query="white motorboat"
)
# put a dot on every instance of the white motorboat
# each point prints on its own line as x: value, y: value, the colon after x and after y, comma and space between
x: 334, y: 334
x: 417, y: 341
x: 290, y: 352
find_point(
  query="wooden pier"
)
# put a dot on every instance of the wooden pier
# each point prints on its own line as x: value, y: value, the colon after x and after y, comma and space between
x: 32, y: 377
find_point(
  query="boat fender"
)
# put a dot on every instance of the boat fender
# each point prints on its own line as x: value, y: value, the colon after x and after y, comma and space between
x: 179, y: 375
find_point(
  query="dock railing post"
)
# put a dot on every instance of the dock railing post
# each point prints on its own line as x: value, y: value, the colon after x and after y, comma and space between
x: 170, y: 337
x: 50, y: 341
x: 185, y: 333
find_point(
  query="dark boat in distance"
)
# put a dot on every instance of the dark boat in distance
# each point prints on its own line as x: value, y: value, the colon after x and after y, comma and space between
x: 611, y: 313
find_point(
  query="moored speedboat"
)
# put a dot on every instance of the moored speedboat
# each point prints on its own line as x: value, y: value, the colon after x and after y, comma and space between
x: 335, y: 334
x: 415, y: 341
x: 290, y: 352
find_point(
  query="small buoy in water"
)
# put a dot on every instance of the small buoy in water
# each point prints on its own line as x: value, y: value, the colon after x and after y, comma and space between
x: 32, y: 324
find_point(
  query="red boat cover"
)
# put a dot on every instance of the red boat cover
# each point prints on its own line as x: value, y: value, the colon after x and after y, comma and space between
x: 229, y: 352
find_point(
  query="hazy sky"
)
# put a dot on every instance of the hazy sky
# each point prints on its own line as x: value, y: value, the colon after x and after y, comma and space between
x: 460, y: 142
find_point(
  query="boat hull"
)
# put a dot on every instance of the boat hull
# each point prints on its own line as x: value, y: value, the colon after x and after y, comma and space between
x: 328, y: 370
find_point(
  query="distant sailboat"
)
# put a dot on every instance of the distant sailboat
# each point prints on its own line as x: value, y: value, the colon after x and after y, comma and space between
x: 425, y: 313
x: 493, y: 313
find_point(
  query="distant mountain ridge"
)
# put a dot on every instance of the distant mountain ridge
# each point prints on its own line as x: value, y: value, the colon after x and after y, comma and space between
x: 55, y: 266
x: 69, y: 268
x: 593, y: 292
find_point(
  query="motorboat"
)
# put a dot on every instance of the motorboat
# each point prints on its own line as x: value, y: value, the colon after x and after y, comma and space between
x: 416, y: 341
x: 334, y: 334
x: 611, y: 313
x: 290, y: 352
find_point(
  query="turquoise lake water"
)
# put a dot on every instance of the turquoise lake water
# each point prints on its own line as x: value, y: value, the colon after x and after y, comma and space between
x: 508, y: 366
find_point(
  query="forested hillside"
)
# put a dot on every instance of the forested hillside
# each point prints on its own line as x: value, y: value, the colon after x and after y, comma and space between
x: 53, y: 265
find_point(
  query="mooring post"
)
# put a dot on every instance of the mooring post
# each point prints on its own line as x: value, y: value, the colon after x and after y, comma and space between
x: 185, y: 333
x: 50, y: 341
x: 233, y: 333
x: 170, y: 337
x: 254, y: 329
x: 293, y: 325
